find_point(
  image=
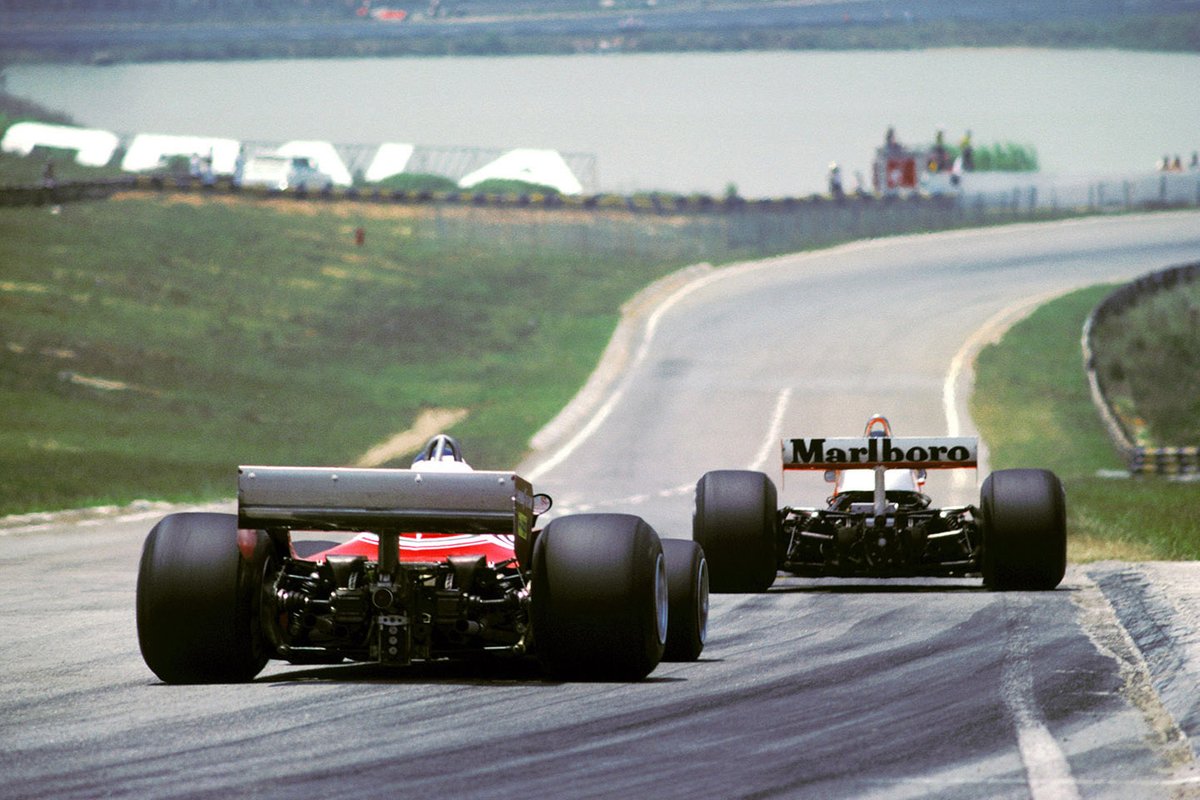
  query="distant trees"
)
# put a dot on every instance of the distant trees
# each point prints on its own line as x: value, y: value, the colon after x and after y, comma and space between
x: 160, y: 10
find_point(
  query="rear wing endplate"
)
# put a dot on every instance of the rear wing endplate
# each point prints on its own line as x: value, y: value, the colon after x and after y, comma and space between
x: 945, y: 452
x: 391, y: 500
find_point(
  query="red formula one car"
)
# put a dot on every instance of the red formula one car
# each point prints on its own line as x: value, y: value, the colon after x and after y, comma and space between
x: 444, y: 562
x: 879, y: 523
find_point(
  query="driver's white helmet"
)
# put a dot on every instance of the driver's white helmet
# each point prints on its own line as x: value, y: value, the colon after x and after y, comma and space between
x: 441, y: 453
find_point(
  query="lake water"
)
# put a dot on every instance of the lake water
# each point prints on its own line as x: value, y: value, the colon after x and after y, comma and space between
x: 769, y: 122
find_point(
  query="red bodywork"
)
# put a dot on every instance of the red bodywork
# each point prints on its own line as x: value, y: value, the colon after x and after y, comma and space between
x: 429, y: 547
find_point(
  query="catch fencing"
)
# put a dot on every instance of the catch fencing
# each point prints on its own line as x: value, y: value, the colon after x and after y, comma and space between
x: 690, y: 227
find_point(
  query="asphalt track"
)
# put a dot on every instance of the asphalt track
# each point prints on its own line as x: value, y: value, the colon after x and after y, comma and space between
x: 818, y: 689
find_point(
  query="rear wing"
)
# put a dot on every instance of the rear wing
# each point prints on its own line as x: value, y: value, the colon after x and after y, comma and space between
x: 384, y: 500
x: 944, y: 452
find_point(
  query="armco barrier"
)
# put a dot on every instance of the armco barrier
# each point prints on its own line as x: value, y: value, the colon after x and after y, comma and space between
x: 1142, y: 460
x: 1165, y: 460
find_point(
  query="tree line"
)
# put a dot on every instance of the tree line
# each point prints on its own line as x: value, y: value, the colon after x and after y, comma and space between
x: 174, y: 9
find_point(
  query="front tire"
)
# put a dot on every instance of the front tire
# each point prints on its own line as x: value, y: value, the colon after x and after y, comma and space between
x: 687, y: 590
x: 735, y: 521
x: 198, y: 600
x: 599, y: 598
x: 1024, y: 523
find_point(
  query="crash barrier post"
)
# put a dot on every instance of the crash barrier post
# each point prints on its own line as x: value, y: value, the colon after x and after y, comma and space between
x: 1141, y: 460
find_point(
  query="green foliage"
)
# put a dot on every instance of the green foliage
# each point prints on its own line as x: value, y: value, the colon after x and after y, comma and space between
x: 1171, y: 32
x: 27, y: 171
x: 416, y: 182
x: 423, y: 182
x: 1006, y: 157
x: 1148, y: 358
x: 17, y: 109
x: 508, y: 186
x: 1032, y: 405
x: 999, y: 157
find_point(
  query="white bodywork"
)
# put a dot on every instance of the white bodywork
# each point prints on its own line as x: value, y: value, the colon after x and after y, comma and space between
x: 880, y: 463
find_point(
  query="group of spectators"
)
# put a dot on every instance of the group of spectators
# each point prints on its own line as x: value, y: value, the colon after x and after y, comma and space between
x: 1168, y: 164
x: 939, y: 158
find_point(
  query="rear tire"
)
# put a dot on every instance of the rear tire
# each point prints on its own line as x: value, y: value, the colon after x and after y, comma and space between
x: 1024, y: 524
x: 198, y: 601
x: 599, y: 598
x: 687, y: 590
x: 735, y: 521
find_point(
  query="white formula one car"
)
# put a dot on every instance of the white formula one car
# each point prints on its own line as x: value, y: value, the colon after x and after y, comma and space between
x: 878, y: 523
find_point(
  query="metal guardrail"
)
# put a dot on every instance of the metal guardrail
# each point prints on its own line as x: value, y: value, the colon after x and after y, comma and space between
x: 1141, y: 460
x: 1165, y: 460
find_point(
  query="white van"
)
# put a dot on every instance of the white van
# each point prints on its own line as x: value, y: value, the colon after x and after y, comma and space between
x: 284, y: 172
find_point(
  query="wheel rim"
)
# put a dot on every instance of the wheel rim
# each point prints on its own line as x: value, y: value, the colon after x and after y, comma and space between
x: 660, y: 597
x: 702, y: 600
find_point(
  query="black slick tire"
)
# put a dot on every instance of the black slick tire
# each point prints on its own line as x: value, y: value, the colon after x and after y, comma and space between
x: 198, y: 600
x: 1024, y: 524
x: 599, y: 599
x: 687, y: 590
x: 735, y: 522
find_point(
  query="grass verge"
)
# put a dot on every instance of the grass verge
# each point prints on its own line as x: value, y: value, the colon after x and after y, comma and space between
x: 148, y: 345
x: 1031, y: 404
x: 1153, y: 380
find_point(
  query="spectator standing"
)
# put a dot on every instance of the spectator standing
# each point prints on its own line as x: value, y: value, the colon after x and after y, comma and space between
x: 207, y: 174
x: 938, y: 160
x: 239, y: 165
x: 890, y: 144
x: 835, y: 182
x: 967, y: 151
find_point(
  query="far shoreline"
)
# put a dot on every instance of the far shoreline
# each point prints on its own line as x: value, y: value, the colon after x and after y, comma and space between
x: 53, y: 40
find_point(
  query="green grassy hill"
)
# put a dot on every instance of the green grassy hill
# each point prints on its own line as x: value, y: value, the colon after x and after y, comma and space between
x: 148, y: 345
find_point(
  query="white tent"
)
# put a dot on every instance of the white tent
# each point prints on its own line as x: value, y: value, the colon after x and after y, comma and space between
x: 546, y: 167
x: 149, y: 149
x: 390, y: 159
x: 94, y: 148
x: 323, y: 156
